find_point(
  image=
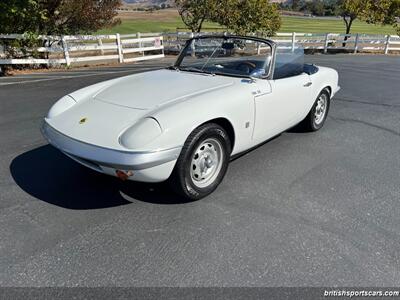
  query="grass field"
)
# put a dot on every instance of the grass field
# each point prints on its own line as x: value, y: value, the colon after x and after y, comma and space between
x: 169, y: 20
x: 298, y: 24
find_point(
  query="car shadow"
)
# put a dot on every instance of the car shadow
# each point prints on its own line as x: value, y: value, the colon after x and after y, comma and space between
x: 47, y: 174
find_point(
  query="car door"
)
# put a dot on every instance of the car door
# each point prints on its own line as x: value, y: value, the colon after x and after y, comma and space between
x: 280, y: 104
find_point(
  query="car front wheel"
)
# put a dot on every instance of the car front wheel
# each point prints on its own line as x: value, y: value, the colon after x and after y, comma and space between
x: 318, y: 113
x: 202, y: 163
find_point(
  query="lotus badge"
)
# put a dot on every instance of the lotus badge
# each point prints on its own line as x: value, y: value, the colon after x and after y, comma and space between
x: 83, y: 120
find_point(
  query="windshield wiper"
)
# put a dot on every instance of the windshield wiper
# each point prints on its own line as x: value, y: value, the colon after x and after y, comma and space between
x: 175, y: 68
x: 233, y: 75
x: 194, y: 69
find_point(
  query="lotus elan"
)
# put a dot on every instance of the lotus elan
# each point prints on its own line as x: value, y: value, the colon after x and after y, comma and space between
x: 223, y: 96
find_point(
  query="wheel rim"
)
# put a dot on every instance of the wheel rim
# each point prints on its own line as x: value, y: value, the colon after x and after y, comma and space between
x: 320, y: 109
x: 206, y: 163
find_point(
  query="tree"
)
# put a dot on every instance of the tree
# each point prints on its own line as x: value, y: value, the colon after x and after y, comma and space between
x: 195, y: 12
x: 248, y: 16
x: 240, y: 16
x: 384, y: 12
x: 331, y: 8
x: 297, y: 4
x: 57, y: 16
x: 51, y: 17
x: 316, y: 7
x: 19, y: 16
x: 351, y: 10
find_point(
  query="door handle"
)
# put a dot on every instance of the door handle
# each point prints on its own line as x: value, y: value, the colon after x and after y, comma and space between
x: 308, y: 84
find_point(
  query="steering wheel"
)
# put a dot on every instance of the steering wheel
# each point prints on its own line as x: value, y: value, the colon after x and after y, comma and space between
x: 246, y: 66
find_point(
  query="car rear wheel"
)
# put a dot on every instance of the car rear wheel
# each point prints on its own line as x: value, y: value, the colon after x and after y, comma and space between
x: 202, y: 163
x: 319, y: 112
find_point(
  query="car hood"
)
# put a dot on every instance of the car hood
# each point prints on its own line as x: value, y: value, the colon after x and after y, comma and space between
x: 152, y: 89
x: 116, y: 105
x: 103, y: 123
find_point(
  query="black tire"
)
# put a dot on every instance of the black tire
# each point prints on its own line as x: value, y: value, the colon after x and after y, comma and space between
x: 182, y: 179
x: 312, y: 122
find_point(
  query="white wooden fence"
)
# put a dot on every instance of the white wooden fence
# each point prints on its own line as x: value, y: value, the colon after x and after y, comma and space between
x: 136, y: 47
x: 86, y: 48
x: 318, y: 41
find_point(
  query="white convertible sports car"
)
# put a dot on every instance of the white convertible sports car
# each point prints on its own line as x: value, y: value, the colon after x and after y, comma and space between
x: 223, y: 96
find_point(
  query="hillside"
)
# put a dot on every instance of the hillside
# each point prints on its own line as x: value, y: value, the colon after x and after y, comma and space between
x: 159, y: 2
x: 144, y: 3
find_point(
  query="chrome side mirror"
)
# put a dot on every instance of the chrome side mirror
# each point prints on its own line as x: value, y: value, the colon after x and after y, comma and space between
x: 257, y: 73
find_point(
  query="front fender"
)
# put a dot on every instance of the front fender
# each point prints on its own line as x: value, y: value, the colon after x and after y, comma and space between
x: 233, y: 103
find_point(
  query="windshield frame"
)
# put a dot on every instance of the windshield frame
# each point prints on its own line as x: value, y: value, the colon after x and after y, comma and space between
x: 272, y: 44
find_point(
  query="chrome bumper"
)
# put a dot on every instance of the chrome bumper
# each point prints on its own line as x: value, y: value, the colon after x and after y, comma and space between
x: 125, y: 160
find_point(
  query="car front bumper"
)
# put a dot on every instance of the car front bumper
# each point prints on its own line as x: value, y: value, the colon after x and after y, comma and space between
x: 147, y: 166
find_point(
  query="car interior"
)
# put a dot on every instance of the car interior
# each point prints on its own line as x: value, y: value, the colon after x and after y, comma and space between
x: 239, y: 67
x: 286, y: 65
x: 230, y: 59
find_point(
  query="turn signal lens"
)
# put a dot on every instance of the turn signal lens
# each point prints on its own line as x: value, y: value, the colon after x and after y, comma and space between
x: 123, y: 175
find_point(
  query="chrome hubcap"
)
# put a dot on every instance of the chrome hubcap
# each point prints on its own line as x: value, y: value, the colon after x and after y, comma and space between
x: 320, y: 109
x: 206, y: 163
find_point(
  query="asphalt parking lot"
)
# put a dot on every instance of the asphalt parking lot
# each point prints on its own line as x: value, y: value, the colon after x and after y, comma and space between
x: 302, y: 210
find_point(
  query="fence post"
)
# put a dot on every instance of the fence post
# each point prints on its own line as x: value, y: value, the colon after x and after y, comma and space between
x: 162, y: 43
x: 293, y: 40
x: 139, y: 36
x: 119, y: 45
x: 101, y: 46
x: 192, y: 45
x: 65, y: 49
x: 387, y: 43
x: 326, y: 43
x: 356, y: 44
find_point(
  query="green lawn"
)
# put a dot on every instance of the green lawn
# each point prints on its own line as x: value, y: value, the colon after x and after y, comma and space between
x: 132, y: 26
x: 293, y: 24
x: 290, y: 24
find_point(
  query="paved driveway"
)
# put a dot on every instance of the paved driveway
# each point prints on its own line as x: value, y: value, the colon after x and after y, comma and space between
x: 302, y: 210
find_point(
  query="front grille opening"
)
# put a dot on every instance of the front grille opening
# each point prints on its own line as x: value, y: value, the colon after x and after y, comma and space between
x: 88, y: 163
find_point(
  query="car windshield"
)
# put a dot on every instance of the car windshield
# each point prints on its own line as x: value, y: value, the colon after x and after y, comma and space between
x: 228, y: 56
